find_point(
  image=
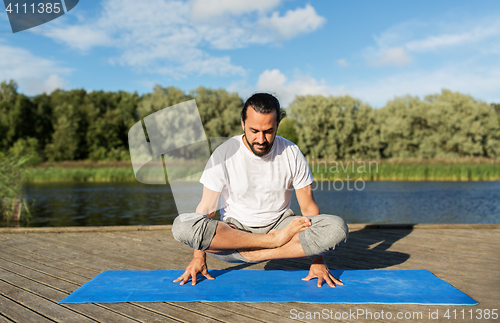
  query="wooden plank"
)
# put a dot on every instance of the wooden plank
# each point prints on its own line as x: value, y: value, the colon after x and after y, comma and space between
x: 474, y: 236
x: 19, y: 313
x: 61, y: 274
x: 220, y: 313
x: 153, y: 228
x: 33, y: 286
x: 178, y: 312
x: 4, y: 319
x: 155, y: 259
x: 289, y: 312
x: 87, y: 229
x: 27, y: 259
x: 96, y: 253
x: 139, y: 313
x: 468, y: 259
x: 142, y: 245
x: 68, y: 255
x: 254, y: 312
x: 54, y: 295
x: 41, y: 305
x: 43, y: 278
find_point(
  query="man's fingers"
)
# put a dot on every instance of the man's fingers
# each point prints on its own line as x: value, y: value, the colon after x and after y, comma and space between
x: 329, y: 281
x: 336, y: 280
x: 308, y: 278
x: 207, y: 275
x: 183, y: 278
x: 191, y: 276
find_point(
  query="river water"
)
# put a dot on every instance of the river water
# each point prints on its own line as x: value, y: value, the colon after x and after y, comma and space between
x: 93, y: 204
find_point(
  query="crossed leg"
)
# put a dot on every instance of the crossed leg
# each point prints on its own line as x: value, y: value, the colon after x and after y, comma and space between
x: 229, y: 238
x: 291, y: 249
x: 290, y: 239
x: 326, y: 233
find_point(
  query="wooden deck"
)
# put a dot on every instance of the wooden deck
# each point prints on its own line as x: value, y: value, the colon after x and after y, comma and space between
x: 40, y: 267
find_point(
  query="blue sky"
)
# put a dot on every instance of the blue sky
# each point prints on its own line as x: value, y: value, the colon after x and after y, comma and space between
x: 371, y: 50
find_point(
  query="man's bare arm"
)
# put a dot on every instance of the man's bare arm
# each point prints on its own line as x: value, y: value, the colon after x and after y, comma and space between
x: 208, y: 203
x: 207, y: 206
x: 318, y: 269
x: 306, y: 201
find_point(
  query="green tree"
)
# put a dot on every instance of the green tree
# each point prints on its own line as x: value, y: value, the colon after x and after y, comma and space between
x: 26, y: 148
x: 469, y: 127
x: 286, y: 129
x: 219, y: 111
x: 17, y: 117
x: 403, y: 127
x: 107, y: 134
x: 496, y: 107
x: 160, y: 99
x: 43, y: 126
x: 333, y: 127
x: 73, y: 113
x: 65, y: 138
x: 442, y: 125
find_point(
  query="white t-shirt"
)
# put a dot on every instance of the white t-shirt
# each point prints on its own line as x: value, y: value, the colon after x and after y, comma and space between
x: 256, y: 190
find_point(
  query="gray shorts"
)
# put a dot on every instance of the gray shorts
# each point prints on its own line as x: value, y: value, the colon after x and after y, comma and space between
x: 325, y: 233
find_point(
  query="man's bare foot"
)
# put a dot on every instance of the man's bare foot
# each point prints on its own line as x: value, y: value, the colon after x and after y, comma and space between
x: 282, y: 236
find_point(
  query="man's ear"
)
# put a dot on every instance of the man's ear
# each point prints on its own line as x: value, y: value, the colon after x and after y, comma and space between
x: 242, y: 124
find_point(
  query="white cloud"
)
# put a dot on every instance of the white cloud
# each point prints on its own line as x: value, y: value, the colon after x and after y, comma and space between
x: 293, y: 23
x: 206, y: 10
x: 33, y: 74
x: 82, y: 37
x: 164, y: 38
x: 343, y: 62
x: 400, y: 44
x: 434, y: 42
x: 157, y: 39
x: 391, y: 56
x: 479, y: 84
x: 378, y: 91
x: 470, y: 65
x: 274, y: 81
x: 33, y: 86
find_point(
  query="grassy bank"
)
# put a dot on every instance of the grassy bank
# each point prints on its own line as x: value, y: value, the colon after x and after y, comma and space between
x: 80, y: 171
x: 459, y: 169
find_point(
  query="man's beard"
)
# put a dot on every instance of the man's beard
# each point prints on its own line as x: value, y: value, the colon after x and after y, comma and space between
x: 260, y: 153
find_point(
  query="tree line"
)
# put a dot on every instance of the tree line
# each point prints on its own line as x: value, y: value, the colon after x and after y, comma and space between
x: 80, y: 125
x: 448, y: 124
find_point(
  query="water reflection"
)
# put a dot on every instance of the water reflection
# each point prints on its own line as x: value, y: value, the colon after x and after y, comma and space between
x: 94, y: 204
x: 415, y: 202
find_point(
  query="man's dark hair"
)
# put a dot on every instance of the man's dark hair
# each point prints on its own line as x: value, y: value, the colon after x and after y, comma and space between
x: 262, y: 103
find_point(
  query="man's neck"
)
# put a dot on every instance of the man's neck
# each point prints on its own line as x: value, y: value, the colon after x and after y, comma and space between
x: 246, y: 143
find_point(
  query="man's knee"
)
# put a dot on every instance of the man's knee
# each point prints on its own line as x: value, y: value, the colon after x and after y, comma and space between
x: 194, y: 229
x: 326, y: 233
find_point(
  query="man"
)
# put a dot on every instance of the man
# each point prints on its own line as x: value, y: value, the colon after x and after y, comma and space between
x: 254, y: 174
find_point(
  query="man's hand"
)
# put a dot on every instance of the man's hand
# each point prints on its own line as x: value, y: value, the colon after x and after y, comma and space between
x: 197, y: 265
x: 320, y: 270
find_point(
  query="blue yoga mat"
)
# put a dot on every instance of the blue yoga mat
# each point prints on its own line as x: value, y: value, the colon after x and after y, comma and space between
x: 360, y: 287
